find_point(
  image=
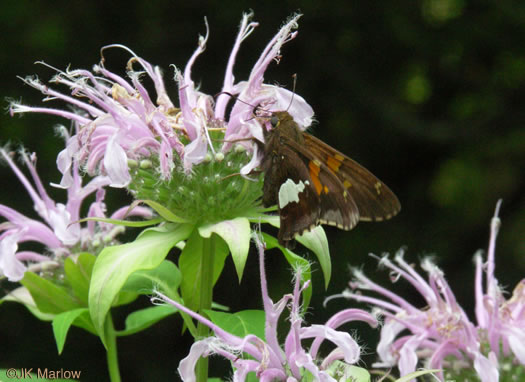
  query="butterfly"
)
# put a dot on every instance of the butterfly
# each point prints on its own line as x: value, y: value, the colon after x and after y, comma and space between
x: 312, y: 183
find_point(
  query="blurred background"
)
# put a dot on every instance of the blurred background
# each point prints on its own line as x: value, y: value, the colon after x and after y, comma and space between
x: 429, y: 95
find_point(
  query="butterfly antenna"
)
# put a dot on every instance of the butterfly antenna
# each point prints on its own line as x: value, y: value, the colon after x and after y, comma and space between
x: 294, y: 76
x: 234, y: 97
x: 240, y: 100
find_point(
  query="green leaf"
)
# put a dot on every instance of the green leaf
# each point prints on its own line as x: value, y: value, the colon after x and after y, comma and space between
x: 125, y: 223
x: 124, y: 298
x: 415, y: 374
x: 115, y: 264
x: 78, y: 274
x: 144, y: 318
x: 63, y: 321
x: 236, y: 233
x: 48, y: 297
x: 295, y: 261
x: 165, y: 278
x: 22, y: 296
x: 164, y: 212
x: 241, y: 323
x: 190, y: 262
x: 316, y: 241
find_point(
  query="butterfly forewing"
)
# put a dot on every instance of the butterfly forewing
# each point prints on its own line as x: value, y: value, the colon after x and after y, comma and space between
x: 373, y: 198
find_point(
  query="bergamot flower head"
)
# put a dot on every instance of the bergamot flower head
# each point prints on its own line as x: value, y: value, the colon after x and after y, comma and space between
x: 58, y: 230
x: 185, y: 157
x: 441, y: 335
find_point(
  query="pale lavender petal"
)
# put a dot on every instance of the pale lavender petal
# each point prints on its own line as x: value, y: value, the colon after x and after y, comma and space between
x: 186, y: 367
x: 444, y: 350
x: 231, y: 340
x: 304, y: 360
x: 342, y: 340
x: 166, y: 160
x: 253, y: 163
x: 31, y: 229
x: 39, y: 204
x: 187, y: 93
x: 271, y: 310
x: 10, y: 266
x: 366, y: 283
x: 60, y: 220
x: 495, y: 224
x: 243, y: 367
x: 407, y: 355
x: 272, y: 375
x: 487, y: 368
x: 482, y: 315
x: 31, y: 256
x: 271, y: 51
x: 65, y: 162
x: 245, y: 29
x: 116, y: 164
x: 516, y: 338
x: 195, y: 152
x: 296, y: 105
x: 340, y: 318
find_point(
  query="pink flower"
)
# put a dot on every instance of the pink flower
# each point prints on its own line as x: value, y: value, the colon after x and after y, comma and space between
x: 118, y: 121
x: 269, y: 361
x: 442, y: 329
x: 58, y: 230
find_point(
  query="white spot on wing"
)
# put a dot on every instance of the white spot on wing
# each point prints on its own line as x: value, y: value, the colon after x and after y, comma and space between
x: 289, y: 192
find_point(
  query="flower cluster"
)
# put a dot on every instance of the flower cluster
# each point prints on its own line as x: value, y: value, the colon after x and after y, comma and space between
x: 147, y: 144
x: 59, y: 232
x: 441, y: 334
x: 266, y: 357
x: 185, y: 158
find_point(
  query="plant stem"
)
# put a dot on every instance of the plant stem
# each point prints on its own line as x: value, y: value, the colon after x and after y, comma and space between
x: 206, y: 297
x: 111, y: 350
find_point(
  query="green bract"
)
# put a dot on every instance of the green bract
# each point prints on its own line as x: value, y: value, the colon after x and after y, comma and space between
x: 211, y: 192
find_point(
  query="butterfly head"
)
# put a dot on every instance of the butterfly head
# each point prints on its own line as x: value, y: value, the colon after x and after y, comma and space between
x: 276, y: 121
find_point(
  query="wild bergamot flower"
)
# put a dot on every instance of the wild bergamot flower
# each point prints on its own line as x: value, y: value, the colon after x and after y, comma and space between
x: 441, y: 335
x: 59, y: 231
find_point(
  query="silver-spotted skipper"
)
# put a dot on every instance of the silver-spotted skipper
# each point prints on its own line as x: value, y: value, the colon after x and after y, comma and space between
x: 312, y: 183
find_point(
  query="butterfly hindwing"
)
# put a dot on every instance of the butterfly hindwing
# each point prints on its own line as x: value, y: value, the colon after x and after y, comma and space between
x: 338, y: 208
x: 297, y: 215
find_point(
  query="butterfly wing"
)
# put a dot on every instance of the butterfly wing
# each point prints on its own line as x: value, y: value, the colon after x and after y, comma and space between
x: 336, y: 205
x: 296, y: 216
x: 374, y: 200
